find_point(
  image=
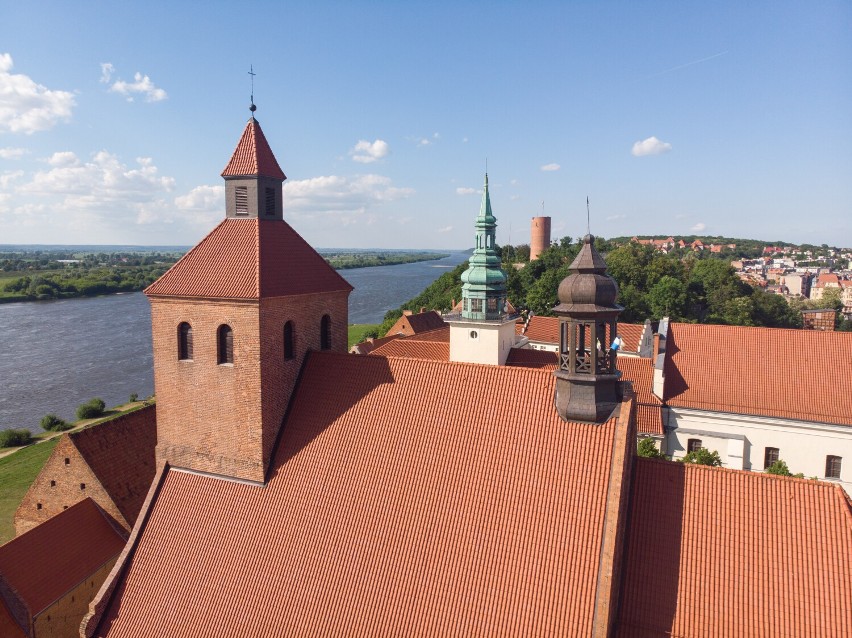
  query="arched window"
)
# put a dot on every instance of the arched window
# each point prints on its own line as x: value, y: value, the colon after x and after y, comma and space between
x: 185, y: 342
x: 325, y: 333
x: 289, y: 341
x: 225, y: 343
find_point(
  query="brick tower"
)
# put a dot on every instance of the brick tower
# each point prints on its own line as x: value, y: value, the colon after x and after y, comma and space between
x: 232, y: 321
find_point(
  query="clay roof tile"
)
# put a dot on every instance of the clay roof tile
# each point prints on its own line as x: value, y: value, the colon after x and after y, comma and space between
x: 253, y: 156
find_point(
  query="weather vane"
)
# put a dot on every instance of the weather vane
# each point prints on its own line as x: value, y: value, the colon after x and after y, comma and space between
x: 588, y: 218
x: 251, y: 72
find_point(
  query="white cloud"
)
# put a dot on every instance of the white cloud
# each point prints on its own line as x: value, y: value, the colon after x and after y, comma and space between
x: 513, y: 182
x: 650, y: 146
x: 699, y: 227
x: 203, y: 204
x: 514, y: 198
x: 27, y: 107
x: 12, y: 153
x: 141, y: 85
x: 368, y: 152
x: 6, y: 179
x: 551, y: 167
x: 464, y: 140
x: 338, y: 199
x: 75, y: 200
x: 424, y: 142
x: 104, y: 178
x: 613, y: 218
x: 107, y: 70
x: 63, y: 158
x: 445, y: 229
x: 465, y: 191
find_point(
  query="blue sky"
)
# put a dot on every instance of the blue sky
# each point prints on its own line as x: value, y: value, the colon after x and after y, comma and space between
x: 727, y: 118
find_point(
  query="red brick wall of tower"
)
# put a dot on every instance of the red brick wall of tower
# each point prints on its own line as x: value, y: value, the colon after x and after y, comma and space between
x: 539, y: 236
x: 224, y: 419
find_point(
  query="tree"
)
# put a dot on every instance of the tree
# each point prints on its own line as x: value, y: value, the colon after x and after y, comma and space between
x: 14, y: 438
x: 91, y: 409
x: 779, y: 468
x: 648, y: 448
x: 703, y: 456
x: 53, y: 423
x: 773, y: 311
x: 668, y: 298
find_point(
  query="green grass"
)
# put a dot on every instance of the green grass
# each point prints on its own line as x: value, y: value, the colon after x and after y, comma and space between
x: 357, y: 331
x: 17, y: 472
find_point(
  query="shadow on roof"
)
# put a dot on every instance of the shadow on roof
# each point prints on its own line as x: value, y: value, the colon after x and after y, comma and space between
x: 650, y: 584
x: 330, y: 385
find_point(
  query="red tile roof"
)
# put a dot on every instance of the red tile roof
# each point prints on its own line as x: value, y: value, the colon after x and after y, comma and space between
x: 441, y: 334
x: 414, y: 349
x: 249, y: 259
x: 725, y: 553
x: 54, y: 557
x: 253, y: 155
x: 416, y: 323
x: 9, y: 627
x: 775, y: 372
x: 399, y: 508
x: 121, y: 453
x: 640, y: 371
x: 528, y: 358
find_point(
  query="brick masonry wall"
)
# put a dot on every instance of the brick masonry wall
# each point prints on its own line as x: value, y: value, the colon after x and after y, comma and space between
x: 224, y: 419
x: 59, y: 486
x: 62, y: 619
x: 208, y: 414
x: 278, y: 377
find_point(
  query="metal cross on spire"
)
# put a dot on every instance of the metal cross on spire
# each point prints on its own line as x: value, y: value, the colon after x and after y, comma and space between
x: 588, y: 218
x: 251, y: 72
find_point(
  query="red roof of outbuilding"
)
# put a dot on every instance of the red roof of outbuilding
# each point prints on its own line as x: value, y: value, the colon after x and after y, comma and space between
x: 249, y: 259
x: 775, y: 372
x: 9, y: 627
x: 52, y: 558
x: 253, y: 155
x: 386, y: 514
x: 725, y: 553
x: 121, y: 454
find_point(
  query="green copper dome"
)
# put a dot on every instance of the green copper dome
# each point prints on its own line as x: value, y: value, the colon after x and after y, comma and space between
x: 484, y: 282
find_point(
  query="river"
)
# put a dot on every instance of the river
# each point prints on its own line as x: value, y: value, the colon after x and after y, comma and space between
x: 55, y: 355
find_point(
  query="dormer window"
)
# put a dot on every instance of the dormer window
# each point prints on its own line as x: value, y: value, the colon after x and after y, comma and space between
x: 241, y: 196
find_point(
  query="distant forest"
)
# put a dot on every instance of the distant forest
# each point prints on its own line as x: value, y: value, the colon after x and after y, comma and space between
x: 687, y: 286
x: 42, y: 273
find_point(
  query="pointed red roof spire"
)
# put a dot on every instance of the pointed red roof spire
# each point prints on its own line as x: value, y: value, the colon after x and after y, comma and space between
x: 253, y: 155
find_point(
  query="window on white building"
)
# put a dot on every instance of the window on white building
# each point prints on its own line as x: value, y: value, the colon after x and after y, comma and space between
x: 832, y: 466
x: 693, y: 445
x: 770, y: 456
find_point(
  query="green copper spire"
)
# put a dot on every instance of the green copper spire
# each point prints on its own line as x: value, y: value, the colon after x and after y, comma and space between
x: 484, y: 282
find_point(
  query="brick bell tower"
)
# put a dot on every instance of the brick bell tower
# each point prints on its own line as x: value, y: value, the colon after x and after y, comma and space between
x: 233, y: 320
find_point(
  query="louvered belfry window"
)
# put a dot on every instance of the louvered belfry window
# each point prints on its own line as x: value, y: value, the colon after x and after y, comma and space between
x: 185, y: 342
x: 226, y: 344
x: 241, y: 195
x: 270, y: 201
x: 325, y: 333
